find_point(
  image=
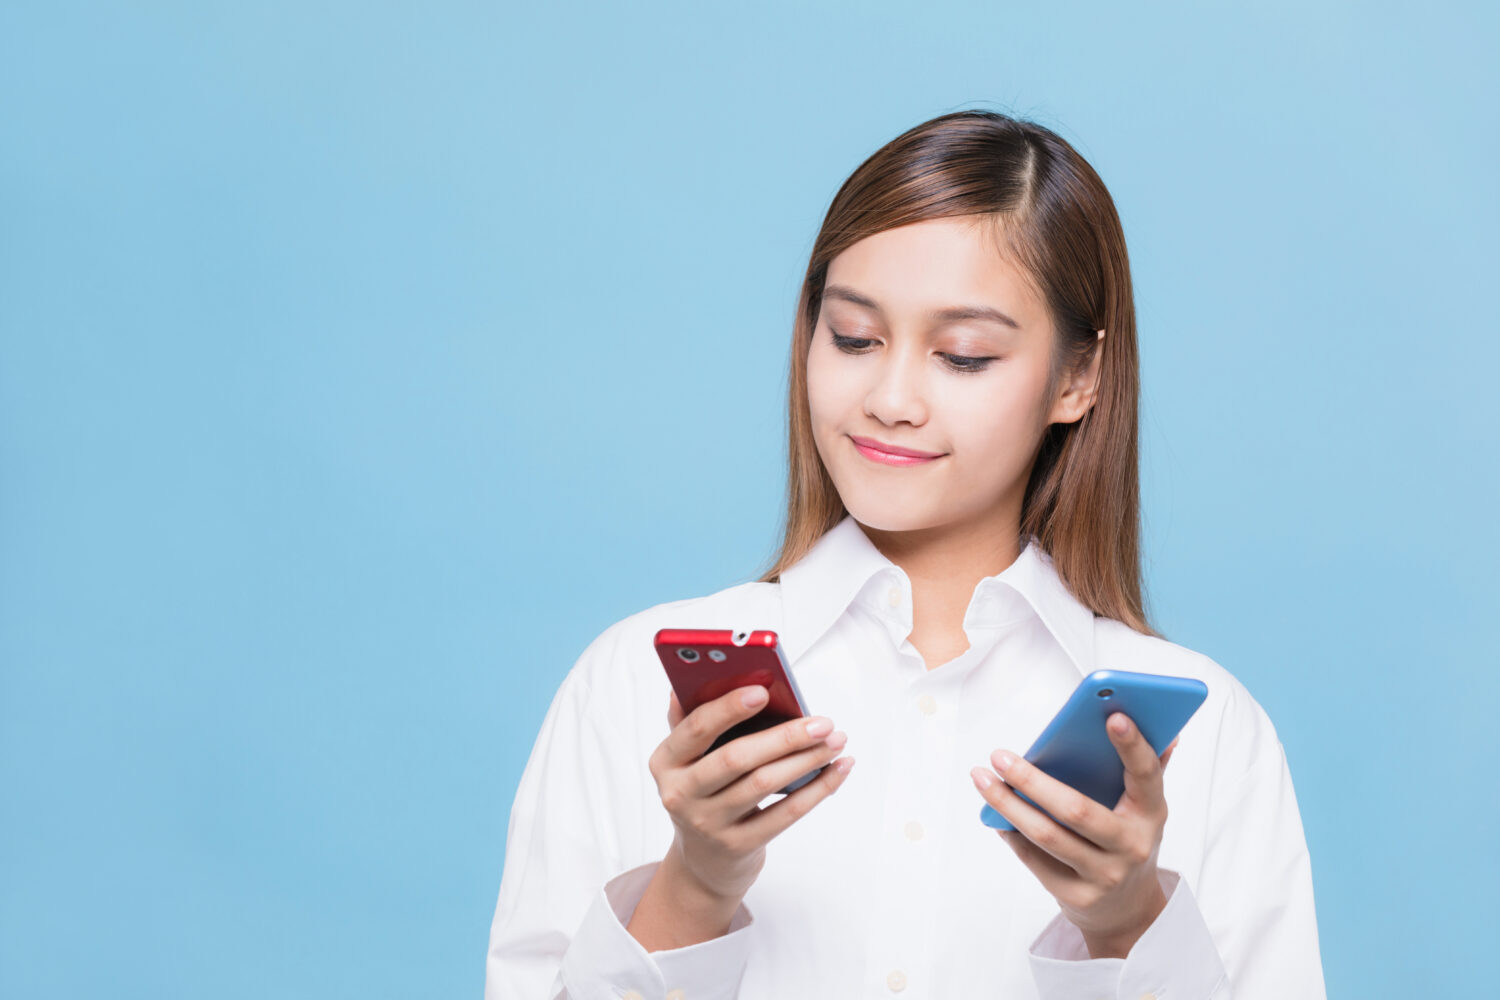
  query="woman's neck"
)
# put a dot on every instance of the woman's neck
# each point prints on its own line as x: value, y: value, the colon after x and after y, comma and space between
x: 944, y: 565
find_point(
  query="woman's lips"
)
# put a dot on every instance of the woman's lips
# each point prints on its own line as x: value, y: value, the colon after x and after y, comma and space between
x: 871, y: 449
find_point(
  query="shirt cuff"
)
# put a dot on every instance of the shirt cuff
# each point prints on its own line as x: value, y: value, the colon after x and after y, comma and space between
x: 604, y: 962
x: 1175, y: 957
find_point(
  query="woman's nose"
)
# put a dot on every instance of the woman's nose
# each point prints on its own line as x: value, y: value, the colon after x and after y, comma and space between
x: 899, y: 392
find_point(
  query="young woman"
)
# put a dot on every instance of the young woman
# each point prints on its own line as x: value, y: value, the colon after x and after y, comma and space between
x: 961, y: 547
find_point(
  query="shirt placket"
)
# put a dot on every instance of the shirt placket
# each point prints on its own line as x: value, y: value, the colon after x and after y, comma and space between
x: 900, y: 957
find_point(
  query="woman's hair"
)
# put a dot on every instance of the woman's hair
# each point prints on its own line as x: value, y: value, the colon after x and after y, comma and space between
x: 1047, y: 211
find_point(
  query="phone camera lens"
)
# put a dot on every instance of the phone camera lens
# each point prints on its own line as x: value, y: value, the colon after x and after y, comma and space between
x: 688, y: 655
x: 717, y: 655
x: 1106, y: 692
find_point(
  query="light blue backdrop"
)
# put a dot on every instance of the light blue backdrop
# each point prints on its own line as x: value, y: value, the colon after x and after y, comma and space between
x: 347, y: 347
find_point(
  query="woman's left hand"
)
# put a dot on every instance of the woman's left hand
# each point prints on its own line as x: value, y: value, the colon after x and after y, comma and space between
x: 1103, y: 870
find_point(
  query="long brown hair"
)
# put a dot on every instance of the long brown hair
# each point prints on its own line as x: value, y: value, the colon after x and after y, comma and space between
x: 1049, y: 211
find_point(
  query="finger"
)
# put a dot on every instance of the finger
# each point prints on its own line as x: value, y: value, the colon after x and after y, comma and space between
x: 1056, y: 877
x: 1167, y: 754
x: 766, y: 823
x: 1142, y: 769
x: 692, y: 737
x: 1069, y: 848
x: 740, y: 796
x: 745, y: 754
x: 675, y: 714
x: 1069, y: 806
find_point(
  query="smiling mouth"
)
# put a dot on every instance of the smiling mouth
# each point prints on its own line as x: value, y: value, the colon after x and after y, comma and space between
x: 876, y: 451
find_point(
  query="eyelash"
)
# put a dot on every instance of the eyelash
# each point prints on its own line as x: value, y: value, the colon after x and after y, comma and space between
x: 963, y: 363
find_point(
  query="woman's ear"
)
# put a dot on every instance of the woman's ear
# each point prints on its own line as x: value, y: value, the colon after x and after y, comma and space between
x: 1078, y: 395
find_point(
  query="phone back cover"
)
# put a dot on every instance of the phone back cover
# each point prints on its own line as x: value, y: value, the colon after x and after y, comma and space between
x: 1075, y: 748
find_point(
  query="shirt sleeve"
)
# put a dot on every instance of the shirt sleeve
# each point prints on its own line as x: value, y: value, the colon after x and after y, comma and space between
x: 605, y: 960
x: 1175, y: 957
x: 1250, y: 931
x: 1256, y: 888
x: 567, y: 889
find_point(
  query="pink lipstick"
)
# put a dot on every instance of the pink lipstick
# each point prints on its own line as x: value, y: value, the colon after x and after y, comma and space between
x: 890, y: 454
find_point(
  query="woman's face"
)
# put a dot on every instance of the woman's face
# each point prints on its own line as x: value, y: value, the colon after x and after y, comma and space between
x: 899, y: 374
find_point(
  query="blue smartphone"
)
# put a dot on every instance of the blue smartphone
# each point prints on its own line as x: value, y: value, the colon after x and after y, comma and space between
x: 1075, y: 747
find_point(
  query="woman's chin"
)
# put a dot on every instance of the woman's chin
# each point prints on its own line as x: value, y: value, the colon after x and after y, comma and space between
x: 889, y: 513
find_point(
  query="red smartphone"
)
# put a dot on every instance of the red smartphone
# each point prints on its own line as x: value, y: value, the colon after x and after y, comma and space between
x: 704, y: 664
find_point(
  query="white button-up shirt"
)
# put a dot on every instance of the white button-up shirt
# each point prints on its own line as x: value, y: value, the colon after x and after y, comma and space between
x: 892, y: 885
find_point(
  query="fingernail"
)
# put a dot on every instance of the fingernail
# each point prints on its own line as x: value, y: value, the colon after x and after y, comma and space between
x: 981, y: 778
x: 1119, y: 724
x: 1003, y: 760
x: 819, y: 727
x: 843, y: 764
x: 837, y: 740
x: 754, y: 697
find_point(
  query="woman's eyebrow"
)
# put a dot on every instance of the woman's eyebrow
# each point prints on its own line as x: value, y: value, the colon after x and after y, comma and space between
x: 948, y: 315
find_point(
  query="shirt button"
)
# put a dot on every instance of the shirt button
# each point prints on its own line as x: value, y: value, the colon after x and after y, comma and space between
x: 928, y: 704
x: 896, y: 981
x: 914, y: 830
x: 894, y: 597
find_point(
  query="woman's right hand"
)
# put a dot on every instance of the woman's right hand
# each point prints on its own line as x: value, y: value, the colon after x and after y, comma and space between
x: 714, y: 801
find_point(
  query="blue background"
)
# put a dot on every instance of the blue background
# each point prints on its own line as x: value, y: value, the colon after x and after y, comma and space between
x: 351, y: 352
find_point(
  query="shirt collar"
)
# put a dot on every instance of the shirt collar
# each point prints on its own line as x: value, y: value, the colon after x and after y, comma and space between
x: 837, y: 571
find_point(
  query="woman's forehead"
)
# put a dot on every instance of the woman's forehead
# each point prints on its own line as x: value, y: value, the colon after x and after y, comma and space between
x: 934, y: 271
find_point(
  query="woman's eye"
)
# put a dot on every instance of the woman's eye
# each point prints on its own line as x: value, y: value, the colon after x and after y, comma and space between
x: 965, y: 364
x: 853, y: 345
x: 958, y: 362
